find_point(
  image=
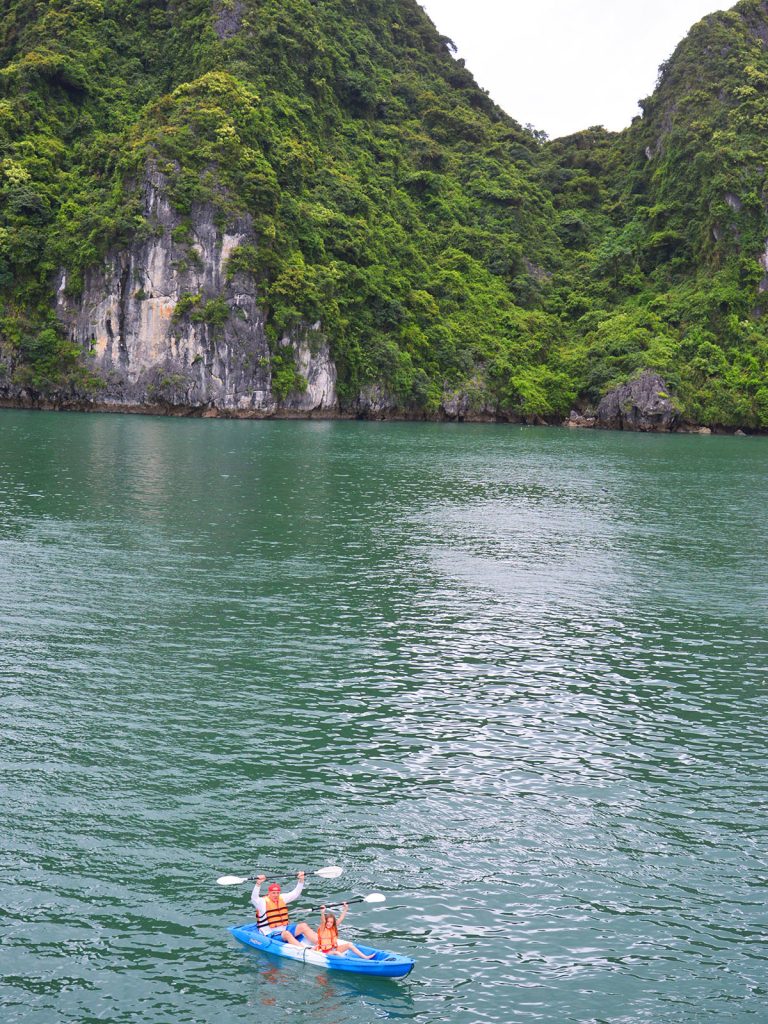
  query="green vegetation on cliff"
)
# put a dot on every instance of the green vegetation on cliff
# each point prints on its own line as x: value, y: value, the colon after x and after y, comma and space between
x: 443, y: 248
x: 668, y: 230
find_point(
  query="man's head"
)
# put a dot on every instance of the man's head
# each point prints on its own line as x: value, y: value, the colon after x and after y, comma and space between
x: 274, y: 890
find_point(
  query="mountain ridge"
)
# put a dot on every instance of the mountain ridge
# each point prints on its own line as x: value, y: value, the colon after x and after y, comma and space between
x: 261, y: 208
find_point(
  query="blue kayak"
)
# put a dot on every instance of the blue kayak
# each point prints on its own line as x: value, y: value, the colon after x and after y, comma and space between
x: 383, y: 965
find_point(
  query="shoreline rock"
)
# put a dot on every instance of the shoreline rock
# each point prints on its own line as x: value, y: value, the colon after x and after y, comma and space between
x: 642, y: 404
x: 28, y: 400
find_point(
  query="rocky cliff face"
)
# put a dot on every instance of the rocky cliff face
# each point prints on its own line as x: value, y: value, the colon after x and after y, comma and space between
x: 165, y: 324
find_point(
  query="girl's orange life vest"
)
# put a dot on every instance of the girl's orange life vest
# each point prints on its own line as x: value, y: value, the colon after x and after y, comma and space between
x: 327, y: 939
x: 276, y: 915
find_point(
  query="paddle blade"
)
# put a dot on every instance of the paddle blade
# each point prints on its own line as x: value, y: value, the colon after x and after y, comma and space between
x: 374, y: 897
x: 230, y: 880
x: 330, y: 872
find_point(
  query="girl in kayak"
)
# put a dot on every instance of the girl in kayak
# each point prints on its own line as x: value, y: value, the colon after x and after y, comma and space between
x: 328, y: 935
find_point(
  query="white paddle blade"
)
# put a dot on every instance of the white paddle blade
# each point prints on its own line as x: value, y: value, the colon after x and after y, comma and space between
x: 230, y: 880
x: 331, y: 872
x: 374, y: 897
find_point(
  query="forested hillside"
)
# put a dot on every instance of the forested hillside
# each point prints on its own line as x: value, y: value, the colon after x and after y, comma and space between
x: 668, y: 229
x: 356, y: 185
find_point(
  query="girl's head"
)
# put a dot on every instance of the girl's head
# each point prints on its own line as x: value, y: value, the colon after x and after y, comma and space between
x: 330, y: 921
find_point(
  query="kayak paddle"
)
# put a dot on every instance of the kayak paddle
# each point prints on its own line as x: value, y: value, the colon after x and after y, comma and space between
x: 329, y: 872
x: 372, y: 897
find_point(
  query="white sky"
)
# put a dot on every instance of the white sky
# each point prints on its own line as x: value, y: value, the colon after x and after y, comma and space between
x: 564, y: 65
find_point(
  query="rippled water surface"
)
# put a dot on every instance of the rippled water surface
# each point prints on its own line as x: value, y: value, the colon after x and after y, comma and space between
x: 512, y: 678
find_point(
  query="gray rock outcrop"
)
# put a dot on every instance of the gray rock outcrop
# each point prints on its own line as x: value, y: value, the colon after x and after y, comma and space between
x: 640, y: 404
x: 374, y: 403
x: 456, y: 405
x: 228, y: 16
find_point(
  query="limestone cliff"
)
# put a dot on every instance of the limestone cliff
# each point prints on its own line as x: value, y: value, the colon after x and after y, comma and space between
x: 165, y: 323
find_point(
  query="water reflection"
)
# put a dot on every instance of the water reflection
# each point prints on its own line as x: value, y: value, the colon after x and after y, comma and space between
x: 325, y: 996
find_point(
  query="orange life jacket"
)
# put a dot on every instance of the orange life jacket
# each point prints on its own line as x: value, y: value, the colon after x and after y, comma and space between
x: 327, y: 939
x: 276, y: 915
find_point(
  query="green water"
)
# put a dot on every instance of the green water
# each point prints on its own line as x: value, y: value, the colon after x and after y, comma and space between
x: 512, y: 678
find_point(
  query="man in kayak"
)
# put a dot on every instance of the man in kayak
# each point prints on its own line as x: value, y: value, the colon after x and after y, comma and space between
x: 272, y: 912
